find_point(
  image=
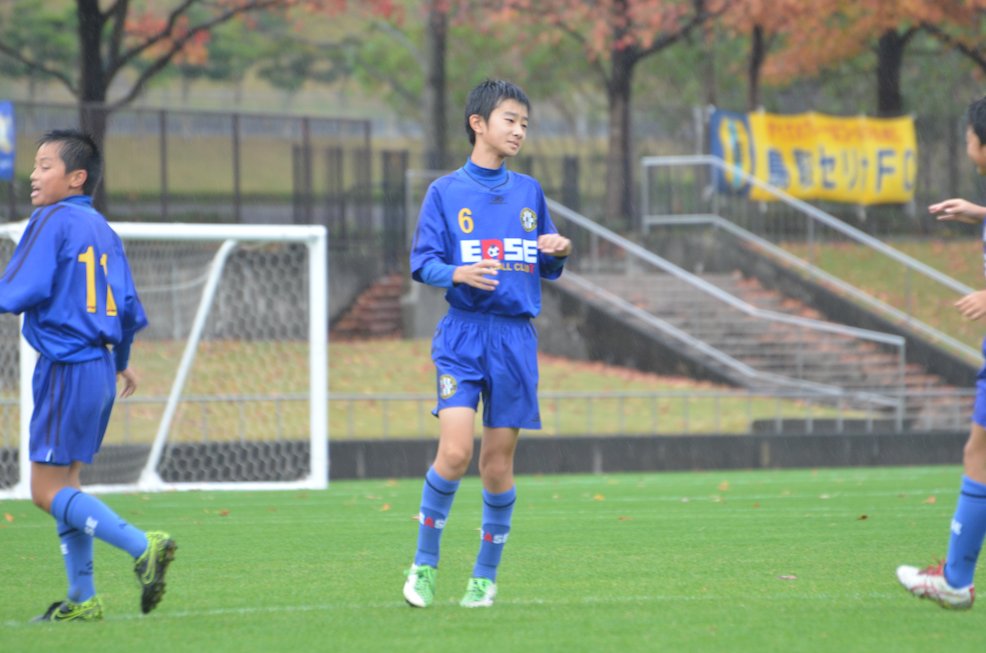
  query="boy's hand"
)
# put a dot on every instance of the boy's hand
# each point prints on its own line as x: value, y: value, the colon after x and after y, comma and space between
x: 475, y: 275
x: 129, y: 378
x: 554, y: 245
x: 958, y: 210
x: 973, y: 305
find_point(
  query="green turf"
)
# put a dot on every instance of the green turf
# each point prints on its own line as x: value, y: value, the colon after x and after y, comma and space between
x: 590, y: 401
x: 716, y: 561
x: 907, y: 291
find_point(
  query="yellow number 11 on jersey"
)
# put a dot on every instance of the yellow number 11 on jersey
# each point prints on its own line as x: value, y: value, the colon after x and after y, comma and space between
x: 89, y: 258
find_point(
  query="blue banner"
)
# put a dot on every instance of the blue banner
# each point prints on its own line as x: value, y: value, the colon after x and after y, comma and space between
x: 731, y: 142
x: 7, y: 140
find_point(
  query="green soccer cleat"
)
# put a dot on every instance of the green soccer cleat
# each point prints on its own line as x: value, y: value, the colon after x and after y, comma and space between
x: 151, y: 567
x: 419, y: 588
x: 479, y: 593
x: 90, y: 610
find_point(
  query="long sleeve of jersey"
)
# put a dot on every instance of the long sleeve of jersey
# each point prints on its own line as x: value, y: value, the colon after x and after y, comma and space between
x: 30, y: 274
x: 132, y: 320
x: 436, y: 273
x: 552, y: 266
x: 431, y: 241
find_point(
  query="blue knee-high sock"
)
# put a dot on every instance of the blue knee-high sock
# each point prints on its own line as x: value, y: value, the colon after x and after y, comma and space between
x: 436, y: 503
x: 497, y: 510
x: 968, y: 530
x: 88, y: 514
x: 77, y: 552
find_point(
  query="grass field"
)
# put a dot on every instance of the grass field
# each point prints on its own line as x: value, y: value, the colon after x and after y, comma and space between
x: 914, y: 294
x: 403, y: 368
x: 799, y: 560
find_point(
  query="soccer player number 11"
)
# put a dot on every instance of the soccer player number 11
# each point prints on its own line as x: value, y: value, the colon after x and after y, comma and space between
x: 88, y: 257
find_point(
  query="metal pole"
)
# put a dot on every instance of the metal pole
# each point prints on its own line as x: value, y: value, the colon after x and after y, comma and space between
x: 237, y: 200
x: 163, y: 140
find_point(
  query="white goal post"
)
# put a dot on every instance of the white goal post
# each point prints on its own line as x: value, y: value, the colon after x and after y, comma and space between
x: 233, y: 367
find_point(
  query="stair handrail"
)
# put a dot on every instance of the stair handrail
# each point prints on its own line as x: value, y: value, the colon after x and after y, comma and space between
x: 721, y: 357
x: 558, y: 209
x: 820, y: 216
x: 814, y: 271
x: 812, y: 211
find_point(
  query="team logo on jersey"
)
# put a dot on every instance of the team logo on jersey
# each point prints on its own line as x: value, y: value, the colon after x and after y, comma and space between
x: 447, y: 386
x: 528, y: 219
x: 518, y: 250
x: 492, y: 249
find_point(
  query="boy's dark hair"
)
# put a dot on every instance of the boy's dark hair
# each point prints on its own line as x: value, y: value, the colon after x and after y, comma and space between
x: 976, y: 117
x: 79, y: 152
x: 487, y: 96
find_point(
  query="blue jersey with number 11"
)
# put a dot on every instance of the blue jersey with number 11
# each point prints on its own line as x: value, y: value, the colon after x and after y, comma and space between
x: 71, y: 279
x: 463, y: 222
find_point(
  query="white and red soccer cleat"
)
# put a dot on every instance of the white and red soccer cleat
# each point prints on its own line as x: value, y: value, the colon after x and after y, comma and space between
x: 930, y: 583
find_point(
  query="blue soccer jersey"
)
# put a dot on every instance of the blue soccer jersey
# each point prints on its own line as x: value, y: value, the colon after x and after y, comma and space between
x: 463, y: 221
x: 70, y: 277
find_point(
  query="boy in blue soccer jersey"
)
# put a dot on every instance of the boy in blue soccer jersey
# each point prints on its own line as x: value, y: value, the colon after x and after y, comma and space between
x: 70, y: 278
x: 949, y: 583
x: 485, y: 235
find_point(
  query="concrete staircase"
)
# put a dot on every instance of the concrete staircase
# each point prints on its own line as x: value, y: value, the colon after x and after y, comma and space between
x: 376, y: 313
x: 785, y: 349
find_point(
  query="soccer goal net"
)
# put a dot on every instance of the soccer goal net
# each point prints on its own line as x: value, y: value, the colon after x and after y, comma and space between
x: 233, y: 380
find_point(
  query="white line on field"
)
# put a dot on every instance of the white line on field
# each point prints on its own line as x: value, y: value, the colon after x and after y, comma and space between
x: 552, y: 602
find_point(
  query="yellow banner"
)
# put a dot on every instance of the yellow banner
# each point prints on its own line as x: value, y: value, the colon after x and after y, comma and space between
x: 815, y: 156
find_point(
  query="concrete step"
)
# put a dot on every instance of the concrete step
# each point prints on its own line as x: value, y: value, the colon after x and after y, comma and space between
x: 375, y: 313
x: 771, y: 346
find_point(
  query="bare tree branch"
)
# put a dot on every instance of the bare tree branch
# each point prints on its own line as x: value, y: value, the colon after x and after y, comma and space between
x: 666, y: 40
x: 40, y: 67
x: 177, y: 44
x: 974, y: 54
x: 118, y: 11
x: 115, y: 63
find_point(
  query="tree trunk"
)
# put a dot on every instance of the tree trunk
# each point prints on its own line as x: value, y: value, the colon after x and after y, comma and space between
x: 92, y: 84
x: 435, y: 118
x: 709, y: 66
x: 619, y: 170
x: 890, y: 58
x: 757, y: 55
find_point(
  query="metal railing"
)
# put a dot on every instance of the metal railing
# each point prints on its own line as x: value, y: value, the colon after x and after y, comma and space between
x: 810, y: 270
x: 624, y: 256
x: 804, y: 228
x: 355, y: 416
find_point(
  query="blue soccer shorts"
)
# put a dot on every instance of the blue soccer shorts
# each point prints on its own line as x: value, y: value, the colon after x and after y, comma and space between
x: 72, y: 404
x: 979, y: 408
x: 489, y: 357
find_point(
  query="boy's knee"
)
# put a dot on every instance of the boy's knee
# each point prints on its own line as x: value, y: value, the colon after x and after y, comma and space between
x: 495, y: 467
x: 42, y: 499
x: 454, y: 460
x: 974, y: 454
